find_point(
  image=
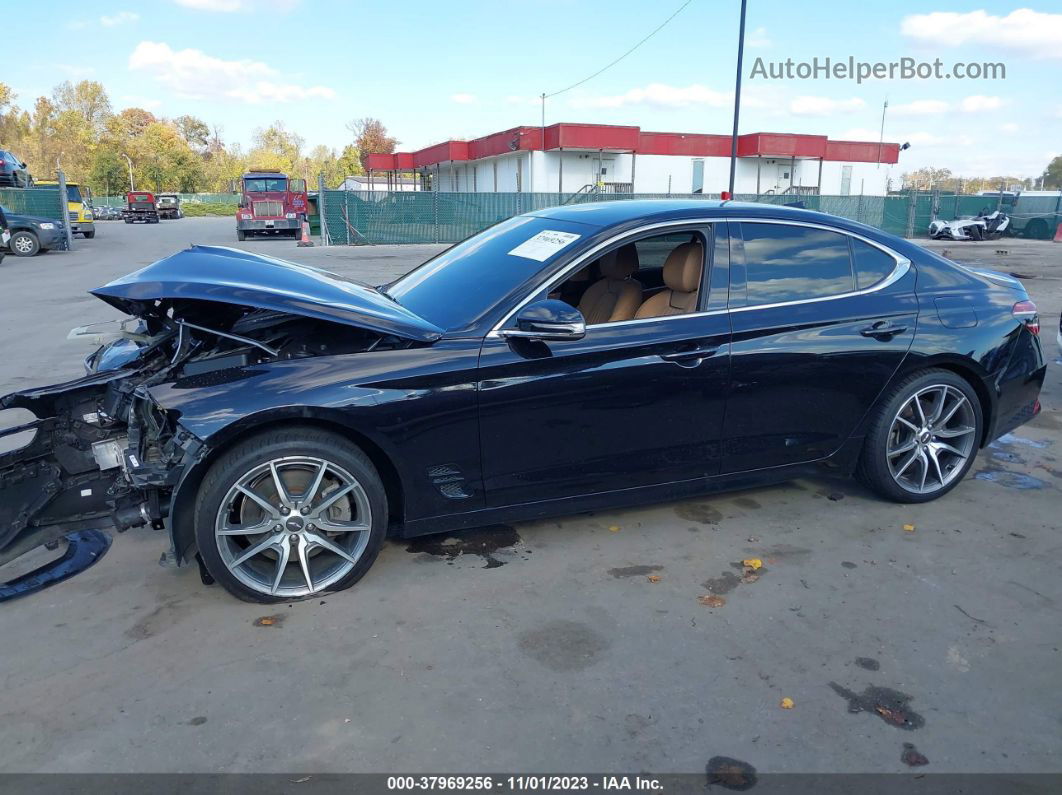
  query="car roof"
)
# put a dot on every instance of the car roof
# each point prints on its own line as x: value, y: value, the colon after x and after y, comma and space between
x: 626, y: 212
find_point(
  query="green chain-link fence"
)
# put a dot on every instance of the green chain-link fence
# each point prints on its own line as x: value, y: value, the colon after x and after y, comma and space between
x: 189, y: 198
x: 359, y: 217
x: 41, y: 202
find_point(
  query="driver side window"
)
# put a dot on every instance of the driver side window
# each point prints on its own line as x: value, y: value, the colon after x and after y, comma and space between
x: 654, y: 276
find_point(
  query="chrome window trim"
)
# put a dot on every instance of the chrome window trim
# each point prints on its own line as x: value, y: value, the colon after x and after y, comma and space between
x: 903, y: 265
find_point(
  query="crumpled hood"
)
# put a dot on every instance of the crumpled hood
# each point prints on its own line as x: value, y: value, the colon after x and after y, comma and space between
x: 230, y: 276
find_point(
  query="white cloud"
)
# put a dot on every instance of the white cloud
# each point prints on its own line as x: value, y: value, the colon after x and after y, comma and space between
x: 1023, y: 31
x: 1009, y: 127
x: 920, y: 107
x: 121, y: 18
x: 196, y: 75
x: 979, y: 102
x: 229, y: 6
x: 758, y: 38
x: 75, y: 71
x: 659, y: 95
x: 824, y: 106
x: 464, y: 99
x: 211, y: 5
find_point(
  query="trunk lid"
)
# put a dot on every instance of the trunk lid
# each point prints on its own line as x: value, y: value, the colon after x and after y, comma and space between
x: 239, y: 278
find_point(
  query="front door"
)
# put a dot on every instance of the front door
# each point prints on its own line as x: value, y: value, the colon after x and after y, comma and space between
x: 827, y: 320
x: 634, y: 403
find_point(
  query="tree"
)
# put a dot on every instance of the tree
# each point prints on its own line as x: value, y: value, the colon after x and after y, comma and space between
x: 86, y: 98
x: 194, y: 130
x: 108, y: 175
x: 277, y: 148
x: 370, y: 137
x: 1052, y: 176
x: 926, y: 178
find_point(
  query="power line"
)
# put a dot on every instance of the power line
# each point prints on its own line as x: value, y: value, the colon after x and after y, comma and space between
x: 613, y: 63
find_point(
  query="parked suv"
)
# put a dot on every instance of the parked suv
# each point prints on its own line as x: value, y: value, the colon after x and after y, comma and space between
x: 30, y: 235
x: 13, y: 172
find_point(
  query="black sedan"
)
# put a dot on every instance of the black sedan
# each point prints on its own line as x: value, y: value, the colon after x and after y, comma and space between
x: 280, y: 421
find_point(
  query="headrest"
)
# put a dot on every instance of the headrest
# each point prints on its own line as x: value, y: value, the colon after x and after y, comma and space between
x: 682, y: 270
x: 621, y: 263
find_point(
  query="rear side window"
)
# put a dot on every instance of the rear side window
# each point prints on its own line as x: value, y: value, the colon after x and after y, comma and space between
x: 793, y: 263
x: 871, y: 264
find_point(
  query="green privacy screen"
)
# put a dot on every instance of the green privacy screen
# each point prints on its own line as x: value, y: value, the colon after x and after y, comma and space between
x: 376, y: 217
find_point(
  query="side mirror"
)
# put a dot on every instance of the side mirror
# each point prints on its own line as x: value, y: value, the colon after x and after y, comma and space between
x: 548, y: 320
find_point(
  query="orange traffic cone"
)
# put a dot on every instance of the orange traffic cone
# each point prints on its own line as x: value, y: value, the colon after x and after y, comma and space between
x: 305, y: 239
x: 1058, y: 234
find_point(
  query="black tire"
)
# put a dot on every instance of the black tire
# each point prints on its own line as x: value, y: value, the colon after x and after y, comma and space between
x: 873, y: 469
x: 128, y: 220
x: 285, y: 442
x: 241, y: 235
x: 1037, y: 229
x: 89, y: 235
x: 24, y: 244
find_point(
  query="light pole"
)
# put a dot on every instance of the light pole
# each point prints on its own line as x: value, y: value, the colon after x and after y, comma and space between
x: 737, y: 98
x: 130, y: 162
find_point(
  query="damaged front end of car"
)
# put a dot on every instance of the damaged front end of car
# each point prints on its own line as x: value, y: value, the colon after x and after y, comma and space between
x: 104, y: 451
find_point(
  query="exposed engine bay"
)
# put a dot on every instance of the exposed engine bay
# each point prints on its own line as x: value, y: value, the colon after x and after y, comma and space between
x: 102, y: 450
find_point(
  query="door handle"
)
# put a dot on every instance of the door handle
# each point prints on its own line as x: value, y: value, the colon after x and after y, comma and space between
x: 685, y: 356
x: 883, y: 330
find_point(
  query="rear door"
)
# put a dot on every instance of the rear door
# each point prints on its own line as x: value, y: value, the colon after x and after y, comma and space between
x: 821, y: 321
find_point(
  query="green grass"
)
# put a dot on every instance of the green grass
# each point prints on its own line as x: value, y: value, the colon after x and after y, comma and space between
x: 198, y: 209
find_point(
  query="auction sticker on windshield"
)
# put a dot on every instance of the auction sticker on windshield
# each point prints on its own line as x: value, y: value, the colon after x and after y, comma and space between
x: 544, y: 245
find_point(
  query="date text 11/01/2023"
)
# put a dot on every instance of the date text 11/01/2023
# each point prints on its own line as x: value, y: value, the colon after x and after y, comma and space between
x: 524, y: 783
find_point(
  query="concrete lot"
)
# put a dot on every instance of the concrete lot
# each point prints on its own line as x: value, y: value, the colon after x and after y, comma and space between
x: 567, y: 657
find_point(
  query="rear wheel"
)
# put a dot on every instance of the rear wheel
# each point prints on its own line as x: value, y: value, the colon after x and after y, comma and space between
x: 290, y: 514
x: 89, y: 235
x: 24, y: 244
x: 1037, y: 229
x: 923, y: 438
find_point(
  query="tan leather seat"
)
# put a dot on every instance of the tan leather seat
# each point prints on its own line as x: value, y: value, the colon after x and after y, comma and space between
x: 682, y: 280
x: 615, y: 296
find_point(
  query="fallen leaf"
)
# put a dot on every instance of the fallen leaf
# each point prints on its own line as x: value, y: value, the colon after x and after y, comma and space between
x: 265, y: 621
x: 653, y: 578
x: 752, y: 563
x: 615, y: 528
x: 910, y: 528
x: 711, y: 600
x: 786, y: 703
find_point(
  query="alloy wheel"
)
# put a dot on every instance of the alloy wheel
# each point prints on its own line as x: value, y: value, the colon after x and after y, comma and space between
x: 931, y: 438
x: 23, y: 244
x: 293, y: 526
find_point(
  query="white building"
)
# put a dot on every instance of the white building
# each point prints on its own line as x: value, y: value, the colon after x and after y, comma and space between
x: 383, y: 182
x: 607, y: 158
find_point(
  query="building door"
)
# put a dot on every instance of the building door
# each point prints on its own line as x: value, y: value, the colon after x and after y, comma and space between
x: 698, y: 177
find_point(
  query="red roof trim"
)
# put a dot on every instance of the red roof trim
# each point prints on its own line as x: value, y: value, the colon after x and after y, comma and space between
x: 616, y: 138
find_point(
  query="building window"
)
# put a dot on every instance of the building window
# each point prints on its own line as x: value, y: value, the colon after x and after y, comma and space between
x: 698, y: 177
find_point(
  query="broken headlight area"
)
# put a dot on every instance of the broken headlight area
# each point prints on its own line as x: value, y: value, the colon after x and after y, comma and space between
x: 103, y: 451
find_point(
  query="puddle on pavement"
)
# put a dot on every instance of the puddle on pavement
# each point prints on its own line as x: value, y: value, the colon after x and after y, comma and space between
x: 1012, y: 480
x: 868, y: 663
x: 1010, y: 438
x: 888, y: 704
x: 732, y: 774
x: 634, y: 571
x: 484, y: 541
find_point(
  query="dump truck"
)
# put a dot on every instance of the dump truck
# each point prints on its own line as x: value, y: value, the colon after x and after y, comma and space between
x: 270, y: 204
x: 140, y: 207
x: 169, y: 205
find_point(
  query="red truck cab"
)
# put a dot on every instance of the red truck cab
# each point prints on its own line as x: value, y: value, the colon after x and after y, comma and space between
x: 270, y: 204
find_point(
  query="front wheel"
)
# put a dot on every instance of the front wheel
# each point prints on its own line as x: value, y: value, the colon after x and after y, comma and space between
x: 923, y: 438
x: 24, y: 244
x: 89, y: 235
x: 241, y: 235
x: 290, y: 514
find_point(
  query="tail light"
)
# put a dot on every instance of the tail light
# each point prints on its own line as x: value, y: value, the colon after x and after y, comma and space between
x: 1026, y: 311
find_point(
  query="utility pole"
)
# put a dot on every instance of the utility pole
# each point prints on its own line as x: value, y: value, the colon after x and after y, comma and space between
x: 737, y: 98
x: 881, y: 135
x: 130, y: 162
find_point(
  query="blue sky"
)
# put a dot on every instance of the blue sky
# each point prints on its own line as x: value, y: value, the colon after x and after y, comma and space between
x: 462, y: 69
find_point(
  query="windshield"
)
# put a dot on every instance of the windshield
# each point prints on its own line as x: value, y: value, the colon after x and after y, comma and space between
x: 465, y: 282
x: 73, y: 193
x: 260, y: 184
